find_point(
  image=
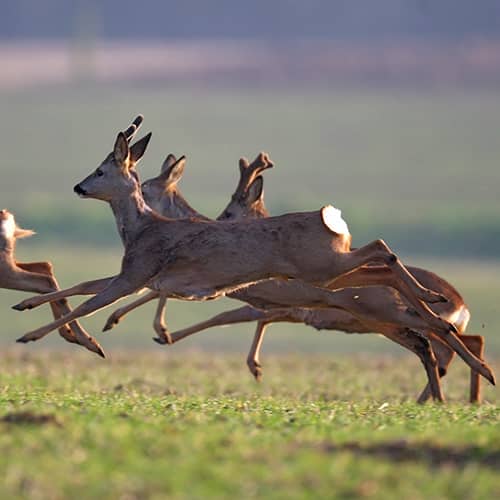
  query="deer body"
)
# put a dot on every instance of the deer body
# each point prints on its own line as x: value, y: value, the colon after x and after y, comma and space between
x: 377, y: 309
x: 192, y: 258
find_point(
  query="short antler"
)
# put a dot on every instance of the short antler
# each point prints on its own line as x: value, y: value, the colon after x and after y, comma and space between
x: 249, y: 171
x: 133, y: 128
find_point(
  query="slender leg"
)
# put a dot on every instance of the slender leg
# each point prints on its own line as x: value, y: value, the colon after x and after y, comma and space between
x: 31, y: 281
x: 476, y: 344
x: 241, y: 315
x: 444, y: 355
x: 118, y: 315
x: 253, y: 358
x: 86, y: 288
x: 45, y: 268
x: 420, y: 345
x: 159, y: 325
x: 118, y: 288
x: 378, y: 252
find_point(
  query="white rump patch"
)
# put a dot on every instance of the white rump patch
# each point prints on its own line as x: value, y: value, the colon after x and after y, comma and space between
x: 332, y: 218
x: 8, y: 227
x: 460, y: 318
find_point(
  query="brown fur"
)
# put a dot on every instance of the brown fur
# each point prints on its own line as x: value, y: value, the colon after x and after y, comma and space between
x: 165, y: 254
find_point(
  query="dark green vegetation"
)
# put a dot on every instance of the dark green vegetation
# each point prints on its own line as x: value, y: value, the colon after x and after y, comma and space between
x: 420, y: 168
x: 191, y: 426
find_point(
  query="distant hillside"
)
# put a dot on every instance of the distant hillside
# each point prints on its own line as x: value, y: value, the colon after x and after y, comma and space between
x: 350, y: 20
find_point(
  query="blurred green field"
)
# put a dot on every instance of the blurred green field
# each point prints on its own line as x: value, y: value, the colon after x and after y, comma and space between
x: 191, y: 426
x: 387, y: 158
x: 418, y: 168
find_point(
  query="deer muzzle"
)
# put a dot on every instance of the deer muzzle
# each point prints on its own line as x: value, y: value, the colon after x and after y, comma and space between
x: 79, y: 190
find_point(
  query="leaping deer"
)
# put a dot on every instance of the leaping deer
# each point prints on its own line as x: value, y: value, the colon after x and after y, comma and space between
x: 36, y: 277
x: 378, y: 309
x: 165, y: 254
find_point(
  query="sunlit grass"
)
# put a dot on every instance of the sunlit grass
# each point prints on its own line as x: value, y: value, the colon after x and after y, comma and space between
x: 190, y: 426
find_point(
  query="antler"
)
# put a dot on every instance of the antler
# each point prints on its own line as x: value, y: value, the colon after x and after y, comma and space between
x: 249, y: 171
x: 133, y: 128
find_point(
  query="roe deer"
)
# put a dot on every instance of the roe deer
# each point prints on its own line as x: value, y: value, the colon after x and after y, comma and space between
x: 379, y: 309
x: 35, y: 277
x: 165, y: 254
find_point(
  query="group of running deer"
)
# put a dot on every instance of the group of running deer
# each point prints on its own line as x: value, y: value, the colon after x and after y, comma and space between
x: 297, y: 268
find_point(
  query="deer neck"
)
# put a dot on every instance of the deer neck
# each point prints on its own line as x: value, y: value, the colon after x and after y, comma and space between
x: 130, y: 214
x: 176, y: 207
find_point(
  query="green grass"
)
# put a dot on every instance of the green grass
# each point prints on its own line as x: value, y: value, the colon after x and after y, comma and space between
x: 418, y: 168
x: 185, y: 425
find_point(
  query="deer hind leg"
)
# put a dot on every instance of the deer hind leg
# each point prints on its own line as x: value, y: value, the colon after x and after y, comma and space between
x: 355, y: 273
x: 72, y: 332
x: 241, y: 315
x: 475, y: 343
x: 444, y: 355
x: 446, y: 331
x: 46, y: 269
x: 118, y: 315
x: 421, y: 346
x: 377, y: 252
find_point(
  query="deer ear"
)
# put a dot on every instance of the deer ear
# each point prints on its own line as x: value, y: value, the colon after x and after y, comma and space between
x: 23, y: 233
x: 120, y: 149
x: 168, y: 163
x: 256, y: 190
x: 174, y: 175
x: 138, y: 149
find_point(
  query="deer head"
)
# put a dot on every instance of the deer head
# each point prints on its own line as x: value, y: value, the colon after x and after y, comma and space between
x: 248, y: 198
x: 162, y: 190
x: 115, y: 175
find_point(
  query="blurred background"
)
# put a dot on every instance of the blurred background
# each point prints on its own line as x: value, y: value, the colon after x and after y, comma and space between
x: 389, y: 110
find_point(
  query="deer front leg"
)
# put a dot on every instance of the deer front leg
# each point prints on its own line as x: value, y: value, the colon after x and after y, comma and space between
x: 118, y: 315
x: 159, y: 324
x: 119, y: 287
x: 85, y: 288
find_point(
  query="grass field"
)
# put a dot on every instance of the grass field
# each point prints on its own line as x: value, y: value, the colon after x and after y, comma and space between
x: 183, y: 425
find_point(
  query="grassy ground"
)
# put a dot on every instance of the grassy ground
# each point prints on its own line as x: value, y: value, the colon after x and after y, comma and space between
x: 146, y: 425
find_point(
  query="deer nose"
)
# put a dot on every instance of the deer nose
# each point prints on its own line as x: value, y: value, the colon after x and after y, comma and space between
x: 79, y: 190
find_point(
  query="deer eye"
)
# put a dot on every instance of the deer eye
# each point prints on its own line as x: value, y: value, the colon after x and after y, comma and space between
x: 99, y: 173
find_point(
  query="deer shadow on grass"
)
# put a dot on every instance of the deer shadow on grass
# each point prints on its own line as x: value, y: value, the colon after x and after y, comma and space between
x: 432, y: 455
